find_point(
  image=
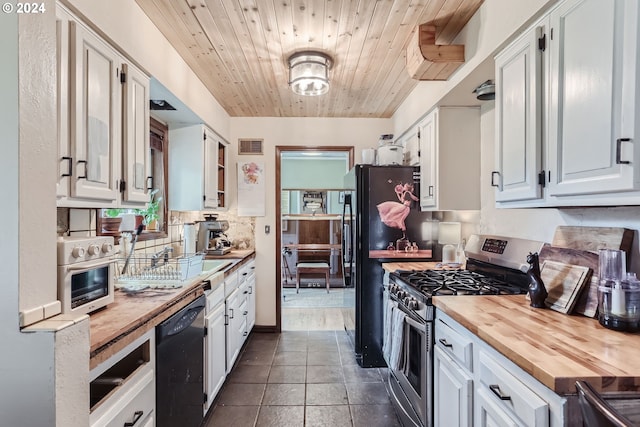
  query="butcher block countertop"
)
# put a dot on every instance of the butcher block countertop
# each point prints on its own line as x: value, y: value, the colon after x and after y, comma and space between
x: 132, y: 315
x: 555, y: 348
x: 404, y: 265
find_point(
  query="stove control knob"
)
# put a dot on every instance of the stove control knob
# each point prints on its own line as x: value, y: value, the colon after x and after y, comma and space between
x: 77, y: 252
x: 401, y: 295
x: 93, y: 250
x: 413, y: 304
x: 406, y: 301
x: 107, y: 248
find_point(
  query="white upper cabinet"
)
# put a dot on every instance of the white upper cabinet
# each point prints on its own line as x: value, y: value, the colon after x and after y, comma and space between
x: 592, y: 103
x: 103, y: 121
x: 96, y: 116
x: 136, y: 162
x: 567, y: 102
x: 519, y: 88
x: 411, y: 144
x: 197, y: 173
x: 449, y: 141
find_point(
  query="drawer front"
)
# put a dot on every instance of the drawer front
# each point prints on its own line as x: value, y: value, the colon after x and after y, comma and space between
x: 214, y: 298
x: 136, y: 403
x: 454, y: 344
x: 510, y: 392
x: 230, y: 283
x: 245, y: 271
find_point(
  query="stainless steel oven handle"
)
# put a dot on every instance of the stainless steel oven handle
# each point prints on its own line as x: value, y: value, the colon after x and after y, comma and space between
x: 86, y: 265
x: 421, y: 326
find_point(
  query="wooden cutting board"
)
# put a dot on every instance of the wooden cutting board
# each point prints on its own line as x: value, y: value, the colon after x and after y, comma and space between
x: 594, y: 238
x: 587, y: 303
x: 564, y: 283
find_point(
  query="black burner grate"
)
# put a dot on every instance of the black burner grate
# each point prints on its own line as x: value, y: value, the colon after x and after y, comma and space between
x: 457, y: 282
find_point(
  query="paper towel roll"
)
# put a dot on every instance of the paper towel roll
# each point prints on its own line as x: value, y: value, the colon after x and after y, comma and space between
x: 189, y: 238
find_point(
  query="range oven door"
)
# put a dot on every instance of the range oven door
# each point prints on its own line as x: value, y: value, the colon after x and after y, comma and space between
x: 414, y: 376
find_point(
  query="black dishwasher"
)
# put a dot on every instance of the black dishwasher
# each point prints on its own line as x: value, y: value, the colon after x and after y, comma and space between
x: 180, y: 367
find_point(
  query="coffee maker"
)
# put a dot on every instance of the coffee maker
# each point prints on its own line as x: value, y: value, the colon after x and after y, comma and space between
x: 211, y: 237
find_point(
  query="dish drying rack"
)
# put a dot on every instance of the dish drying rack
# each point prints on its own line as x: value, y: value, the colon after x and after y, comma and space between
x: 157, y: 272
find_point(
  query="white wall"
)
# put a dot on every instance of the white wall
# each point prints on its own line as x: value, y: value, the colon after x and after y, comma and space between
x: 134, y: 34
x: 360, y: 133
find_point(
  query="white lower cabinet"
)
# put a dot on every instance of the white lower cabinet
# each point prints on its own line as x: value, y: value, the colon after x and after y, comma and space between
x: 476, y: 385
x: 215, y: 351
x: 122, y: 389
x: 234, y: 320
x: 452, y: 393
x: 251, y: 298
x: 510, y: 394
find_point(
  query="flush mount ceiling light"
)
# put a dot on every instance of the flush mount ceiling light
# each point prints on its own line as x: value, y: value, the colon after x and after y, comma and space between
x: 309, y: 73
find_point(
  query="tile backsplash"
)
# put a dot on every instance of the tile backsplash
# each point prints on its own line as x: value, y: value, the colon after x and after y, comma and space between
x: 82, y: 222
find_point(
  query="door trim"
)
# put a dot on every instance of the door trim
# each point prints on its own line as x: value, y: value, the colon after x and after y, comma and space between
x: 279, y: 150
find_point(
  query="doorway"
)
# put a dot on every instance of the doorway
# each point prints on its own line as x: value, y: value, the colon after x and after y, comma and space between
x: 309, y: 182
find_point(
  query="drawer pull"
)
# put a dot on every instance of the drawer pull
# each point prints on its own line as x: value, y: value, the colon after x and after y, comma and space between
x: 136, y: 416
x: 445, y: 343
x: 231, y: 313
x: 245, y: 312
x: 495, y: 388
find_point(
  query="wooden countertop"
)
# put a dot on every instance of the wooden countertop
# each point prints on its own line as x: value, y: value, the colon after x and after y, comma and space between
x: 234, y: 254
x: 131, y: 315
x: 417, y: 265
x: 555, y: 348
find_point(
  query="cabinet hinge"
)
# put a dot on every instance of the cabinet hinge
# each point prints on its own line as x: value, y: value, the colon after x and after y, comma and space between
x: 206, y: 398
x: 542, y: 42
x: 206, y: 331
x: 204, y: 197
x: 123, y: 186
x: 542, y: 178
x: 123, y: 77
x: 551, y: 34
x: 204, y: 136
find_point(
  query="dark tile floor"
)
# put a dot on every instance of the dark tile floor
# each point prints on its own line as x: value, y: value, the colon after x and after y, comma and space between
x: 302, y: 379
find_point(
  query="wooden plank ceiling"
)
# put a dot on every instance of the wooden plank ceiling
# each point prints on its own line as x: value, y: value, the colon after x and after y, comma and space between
x: 239, y: 49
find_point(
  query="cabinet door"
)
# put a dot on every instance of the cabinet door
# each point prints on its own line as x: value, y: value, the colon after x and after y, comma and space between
x: 411, y: 144
x: 251, y: 300
x: 215, y: 360
x: 453, y: 389
x: 428, y: 129
x: 519, y: 119
x: 592, y: 97
x: 210, y: 170
x: 223, y: 172
x: 136, y: 162
x: 65, y: 162
x: 234, y: 320
x: 490, y: 414
x: 96, y: 120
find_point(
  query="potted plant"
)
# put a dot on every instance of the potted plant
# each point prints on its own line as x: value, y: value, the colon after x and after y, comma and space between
x: 111, y: 221
x: 150, y: 213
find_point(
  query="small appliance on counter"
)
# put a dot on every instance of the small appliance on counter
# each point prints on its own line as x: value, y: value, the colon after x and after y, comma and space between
x: 211, y: 237
x: 85, y: 273
x: 618, y: 293
x: 389, y: 153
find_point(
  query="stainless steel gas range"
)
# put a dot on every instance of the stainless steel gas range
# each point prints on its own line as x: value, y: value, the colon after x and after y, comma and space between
x: 495, y: 265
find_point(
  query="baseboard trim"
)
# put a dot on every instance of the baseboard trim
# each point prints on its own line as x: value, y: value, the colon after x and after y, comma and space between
x: 265, y: 329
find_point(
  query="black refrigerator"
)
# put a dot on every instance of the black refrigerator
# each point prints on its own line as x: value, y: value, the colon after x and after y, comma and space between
x: 381, y: 222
